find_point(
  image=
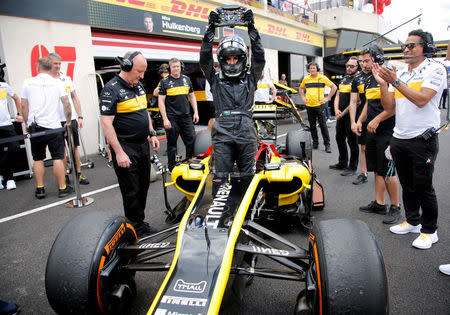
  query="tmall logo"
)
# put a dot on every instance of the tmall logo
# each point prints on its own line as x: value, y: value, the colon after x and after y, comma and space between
x: 68, y: 56
x: 182, y: 286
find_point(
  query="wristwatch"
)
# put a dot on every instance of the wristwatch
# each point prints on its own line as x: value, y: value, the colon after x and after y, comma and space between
x: 152, y: 133
x: 396, y: 83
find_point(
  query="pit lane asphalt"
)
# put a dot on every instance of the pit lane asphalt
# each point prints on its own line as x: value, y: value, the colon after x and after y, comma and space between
x: 416, y: 285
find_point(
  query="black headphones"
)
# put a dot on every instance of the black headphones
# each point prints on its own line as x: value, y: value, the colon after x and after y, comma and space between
x: 377, y: 54
x: 312, y: 63
x: 181, y: 65
x: 127, y: 64
x: 428, y: 46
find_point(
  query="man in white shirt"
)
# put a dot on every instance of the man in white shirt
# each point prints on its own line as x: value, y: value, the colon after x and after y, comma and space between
x: 77, y: 116
x: 41, y: 100
x: 414, y: 95
x: 7, y: 130
x: 262, y: 94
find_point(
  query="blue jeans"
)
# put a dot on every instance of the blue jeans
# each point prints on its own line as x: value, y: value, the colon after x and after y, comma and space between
x: 327, y: 109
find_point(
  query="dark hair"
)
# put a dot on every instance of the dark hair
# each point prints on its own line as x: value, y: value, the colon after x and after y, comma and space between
x: 148, y: 15
x: 312, y: 63
x: 364, y: 52
x: 427, y: 39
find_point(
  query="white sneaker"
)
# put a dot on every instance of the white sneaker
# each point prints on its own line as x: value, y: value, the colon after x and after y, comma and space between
x: 329, y: 120
x: 445, y: 269
x: 424, y: 241
x: 1, y: 183
x: 10, y: 185
x: 405, y: 227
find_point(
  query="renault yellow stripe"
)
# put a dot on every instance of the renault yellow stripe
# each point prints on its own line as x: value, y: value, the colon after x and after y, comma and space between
x: 345, y: 88
x: 417, y: 86
x: 224, y: 271
x: 178, y: 90
x: 181, y: 229
x: 373, y: 93
x: 132, y: 105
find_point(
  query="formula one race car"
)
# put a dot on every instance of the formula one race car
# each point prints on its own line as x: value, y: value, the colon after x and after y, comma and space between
x: 93, y: 261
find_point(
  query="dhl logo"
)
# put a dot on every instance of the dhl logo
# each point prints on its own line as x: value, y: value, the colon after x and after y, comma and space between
x: 181, y: 7
x: 276, y: 30
x: 303, y: 37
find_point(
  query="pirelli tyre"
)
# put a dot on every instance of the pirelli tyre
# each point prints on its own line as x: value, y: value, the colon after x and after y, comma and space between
x: 83, y: 274
x: 202, y: 142
x: 298, y: 143
x: 348, y: 270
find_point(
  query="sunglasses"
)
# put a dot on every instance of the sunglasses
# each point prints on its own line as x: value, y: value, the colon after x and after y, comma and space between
x: 410, y: 45
x: 350, y: 66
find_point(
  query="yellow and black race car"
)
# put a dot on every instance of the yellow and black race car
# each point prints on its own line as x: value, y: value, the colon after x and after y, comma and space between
x: 212, y: 254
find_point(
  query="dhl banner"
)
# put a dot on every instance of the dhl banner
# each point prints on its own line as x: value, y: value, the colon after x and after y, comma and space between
x: 181, y: 17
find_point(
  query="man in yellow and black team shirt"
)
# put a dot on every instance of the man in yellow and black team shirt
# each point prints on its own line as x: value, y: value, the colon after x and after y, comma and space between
x: 315, y: 101
x: 380, y: 125
x: 128, y: 130
x: 343, y: 126
x: 175, y: 93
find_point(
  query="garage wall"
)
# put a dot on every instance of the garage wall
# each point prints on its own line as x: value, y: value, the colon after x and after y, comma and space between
x: 271, y: 68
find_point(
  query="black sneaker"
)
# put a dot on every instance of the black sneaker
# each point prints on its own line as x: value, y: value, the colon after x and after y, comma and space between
x: 39, y: 193
x: 83, y: 180
x: 143, y: 229
x: 348, y: 171
x: 337, y: 166
x: 110, y: 164
x: 361, y: 179
x: 65, y: 192
x: 328, y: 148
x: 374, y: 207
x: 393, y: 216
x: 315, y: 146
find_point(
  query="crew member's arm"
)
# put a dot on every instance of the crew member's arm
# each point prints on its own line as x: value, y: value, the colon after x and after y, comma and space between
x: 337, y: 112
x: 333, y: 90
x: 274, y: 93
x: 419, y: 98
x: 193, y: 102
x: 111, y: 137
x: 19, y: 117
x: 206, y: 55
x: 354, y: 98
x: 162, y: 111
x: 77, y: 106
x: 357, y: 128
x: 152, y: 139
x: 301, y: 92
x: 67, y: 108
x: 25, y: 108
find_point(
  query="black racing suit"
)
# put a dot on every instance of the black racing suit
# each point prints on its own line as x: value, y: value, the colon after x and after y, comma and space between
x: 233, y: 133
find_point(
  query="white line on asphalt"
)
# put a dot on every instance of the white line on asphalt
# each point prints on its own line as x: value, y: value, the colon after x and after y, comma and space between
x: 12, y: 217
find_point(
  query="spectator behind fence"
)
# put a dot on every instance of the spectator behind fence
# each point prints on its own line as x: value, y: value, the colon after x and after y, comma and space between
x: 175, y: 94
x: 413, y: 95
x: 380, y: 125
x: 41, y: 99
x: 77, y: 120
x: 315, y: 101
x: 128, y: 130
x: 7, y: 158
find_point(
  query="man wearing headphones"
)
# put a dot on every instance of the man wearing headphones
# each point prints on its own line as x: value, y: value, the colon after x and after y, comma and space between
x: 128, y: 130
x: 413, y: 94
x: 315, y: 101
x: 175, y: 94
x: 380, y: 124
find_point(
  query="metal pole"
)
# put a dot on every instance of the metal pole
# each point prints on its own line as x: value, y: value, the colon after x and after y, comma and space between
x: 79, y: 201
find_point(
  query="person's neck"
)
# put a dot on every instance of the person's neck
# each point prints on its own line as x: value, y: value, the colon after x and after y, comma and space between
x: 314, y: 75
x: 415, y: 64
x: 125, y: 78
x: 176, y: 76
x: 55, y: 74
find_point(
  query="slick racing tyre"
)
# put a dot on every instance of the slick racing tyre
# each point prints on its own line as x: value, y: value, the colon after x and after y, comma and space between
x: 348, y: 270
x: 298, y: 143
x: 202, y: 142
x: 75, y: 277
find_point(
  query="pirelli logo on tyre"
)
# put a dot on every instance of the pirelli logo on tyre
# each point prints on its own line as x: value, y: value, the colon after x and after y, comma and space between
x: 112, y: 242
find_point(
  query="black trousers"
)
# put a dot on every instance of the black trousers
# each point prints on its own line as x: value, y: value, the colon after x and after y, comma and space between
x: 135, y: 180
x: 8, y: 157
x: 344, y: 134
x: 180, y: 126
x: 317, y: 113
x: 414, y: 160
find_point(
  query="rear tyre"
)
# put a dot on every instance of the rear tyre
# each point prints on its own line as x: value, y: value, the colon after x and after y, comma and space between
x: 348, y: 270
x: 87, y: 244
x: 298, y: 143
x: 202, y: 142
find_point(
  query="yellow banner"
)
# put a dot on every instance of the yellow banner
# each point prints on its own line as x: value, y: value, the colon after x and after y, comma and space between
x: 199, y: 11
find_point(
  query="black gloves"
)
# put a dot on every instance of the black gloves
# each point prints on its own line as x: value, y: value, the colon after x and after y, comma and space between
x: 213, y: 19
x: 249, y: 18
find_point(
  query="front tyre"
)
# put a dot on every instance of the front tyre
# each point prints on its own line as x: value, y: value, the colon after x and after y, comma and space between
x: 74, y: 281
x: 348, y: 269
